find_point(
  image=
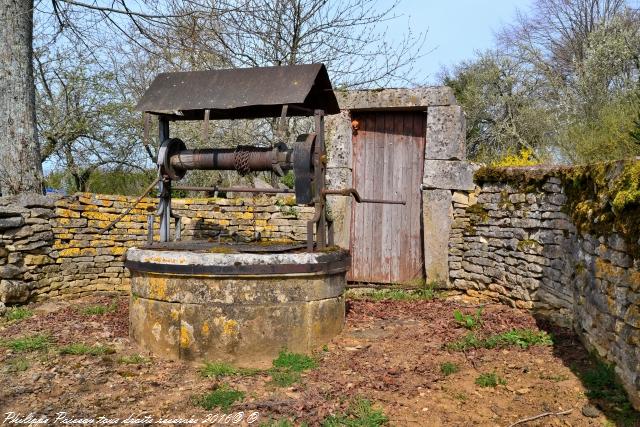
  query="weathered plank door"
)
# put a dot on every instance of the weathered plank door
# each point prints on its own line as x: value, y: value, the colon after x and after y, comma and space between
x: 388, y: 160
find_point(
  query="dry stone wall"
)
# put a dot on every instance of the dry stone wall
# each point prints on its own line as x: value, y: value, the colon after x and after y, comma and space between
x: 515, y: 246
x: 53, y: 246
x: 563, y: 242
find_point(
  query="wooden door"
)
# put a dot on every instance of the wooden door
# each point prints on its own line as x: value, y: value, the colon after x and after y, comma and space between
x: 388, y: 159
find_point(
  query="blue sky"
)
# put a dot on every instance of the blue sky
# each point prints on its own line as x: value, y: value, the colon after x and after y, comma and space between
x: 456, y: 28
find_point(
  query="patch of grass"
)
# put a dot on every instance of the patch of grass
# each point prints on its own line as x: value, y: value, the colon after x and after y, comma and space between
x: 27, y: 344
x: 361, y: 413
x: 462, y: 397
x: 469, y: 321
x: 294, y: 361
x: 554, y: 378
x: 448, y: 368
x: 414, y: 290
x: 77, y: 349
x: 100, y: 309
x: 284, y: 377
x: 217, y: 370
x: 18, y: 313
x: 287, y: 368
x: 427, y: 292
x: 18, y: 364
x: 277, y: 423
x: 468, y: 342
x: 222, y: 397
x: 523, y: 338
x: 490, y: 379
x: 604, y: 387
x: 222, y: 369
x: 399, y: 295
x: 134, y: 359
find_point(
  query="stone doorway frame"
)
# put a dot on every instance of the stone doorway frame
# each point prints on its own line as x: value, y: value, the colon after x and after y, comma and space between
x: 445, y: 166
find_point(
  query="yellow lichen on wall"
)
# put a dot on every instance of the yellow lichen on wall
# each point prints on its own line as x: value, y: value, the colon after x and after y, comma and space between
x: 74, y: 256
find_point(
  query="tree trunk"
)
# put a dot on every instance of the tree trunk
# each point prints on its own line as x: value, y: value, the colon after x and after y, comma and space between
x: 20, y: 163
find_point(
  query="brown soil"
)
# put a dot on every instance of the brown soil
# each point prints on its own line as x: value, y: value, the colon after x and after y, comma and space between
x: 390, y: 352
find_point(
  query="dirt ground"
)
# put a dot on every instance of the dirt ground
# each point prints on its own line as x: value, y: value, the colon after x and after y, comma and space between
x: 390, y: 353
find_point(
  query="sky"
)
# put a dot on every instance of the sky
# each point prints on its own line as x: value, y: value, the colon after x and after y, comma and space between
x: 455, y: 28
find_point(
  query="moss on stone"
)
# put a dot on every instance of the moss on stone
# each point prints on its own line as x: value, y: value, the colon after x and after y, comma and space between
x: 602, y: 198
x: 605, y: 198
x: 505, y: 203
x: 527, y: 244
x: 479, y: 210
x: 222, y: 250
x: 520, y: 176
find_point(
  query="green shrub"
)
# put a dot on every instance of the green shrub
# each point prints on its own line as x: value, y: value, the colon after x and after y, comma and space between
x: 284, y: 377
x: 26, y: 344
x: 469, y: 321
x: 289, y: 179
x: 360, y: 414
x: 18, y: 313
x: 294, y: 361
x: 523, y: 338
x: 77, y: 349
x: 99, y: 310
x: 217, y: 370
x: 19, y: 364
x: 448, y: 368
x: 222, y: 397
x: 489, y: 379
x: 287, y: 368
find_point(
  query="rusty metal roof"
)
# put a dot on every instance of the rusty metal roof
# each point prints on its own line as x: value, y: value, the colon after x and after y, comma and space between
x: 241, y: 93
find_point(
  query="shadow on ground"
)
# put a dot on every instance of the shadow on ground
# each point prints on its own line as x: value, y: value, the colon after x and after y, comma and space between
x: 603, y: 389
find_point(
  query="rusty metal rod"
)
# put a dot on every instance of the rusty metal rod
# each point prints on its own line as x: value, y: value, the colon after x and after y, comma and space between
x: 356, y: 196
x: 236, y: 189
x: 130, y: 208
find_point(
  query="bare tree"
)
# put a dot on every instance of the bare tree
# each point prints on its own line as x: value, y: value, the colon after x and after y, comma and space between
x: 94, y: 59
x: 86, y: 118
x: 563, y: 80
x: 20, y: 167
x: 344, y: 35
x: 20, y: 157
x: 553, y: 38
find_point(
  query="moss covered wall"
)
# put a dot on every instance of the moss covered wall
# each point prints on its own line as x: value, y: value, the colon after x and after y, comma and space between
x: 562, y: 241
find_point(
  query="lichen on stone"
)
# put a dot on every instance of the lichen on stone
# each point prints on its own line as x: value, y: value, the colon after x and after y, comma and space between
x: 602, y: 198
x: 527, y: 244
x: 479, y: 210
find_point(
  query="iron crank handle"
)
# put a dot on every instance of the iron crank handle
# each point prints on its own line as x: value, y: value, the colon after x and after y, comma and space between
x: 356, y: 196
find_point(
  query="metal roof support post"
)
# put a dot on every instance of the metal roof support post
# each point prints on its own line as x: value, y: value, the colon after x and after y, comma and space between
x: 164, y: 187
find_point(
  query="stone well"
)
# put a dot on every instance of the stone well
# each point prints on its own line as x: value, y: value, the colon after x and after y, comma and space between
x: 241, y: 308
